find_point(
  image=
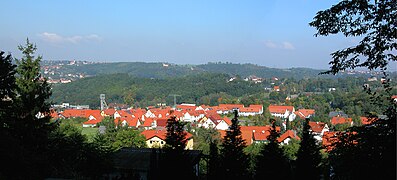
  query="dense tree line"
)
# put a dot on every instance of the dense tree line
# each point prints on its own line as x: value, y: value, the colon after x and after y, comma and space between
x: 120, y: 88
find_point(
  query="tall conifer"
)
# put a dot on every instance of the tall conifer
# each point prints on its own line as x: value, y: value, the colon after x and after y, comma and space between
x: 308, y: 158
x: 271, y: 162
x: 235, y: 162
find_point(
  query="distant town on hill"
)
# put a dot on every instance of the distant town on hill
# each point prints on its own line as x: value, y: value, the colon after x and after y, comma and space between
x: 66, y: 71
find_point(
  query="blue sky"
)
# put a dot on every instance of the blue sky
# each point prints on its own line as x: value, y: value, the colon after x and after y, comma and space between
x: 273, y: 33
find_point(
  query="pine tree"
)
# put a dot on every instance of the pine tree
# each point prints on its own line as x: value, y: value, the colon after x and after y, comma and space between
x: 234, y: 161
x: 32, y: 120
x: 271, y: 163
x: 7, y: 89
x: 308, y: 158
x: 213, y: 162
x: 176, y: 135
x: 174, y: 163
x: 9, y: 146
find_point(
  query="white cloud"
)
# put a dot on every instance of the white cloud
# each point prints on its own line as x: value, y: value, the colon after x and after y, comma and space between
x: 270, y: 44
x: 276, y: 45
x: 288, y: 45
x: 55, y: 38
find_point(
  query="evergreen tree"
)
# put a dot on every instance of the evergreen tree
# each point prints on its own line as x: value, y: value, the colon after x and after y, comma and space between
x: 174, y: 160
x: 271, y: 162
x: 308, y: 158
x: 234, y: 161
x: 33, y: 92
x: 27, y: 122
x: 176, y: 135
x: 9, y: 146
x: 7, y: 86
x: 213, y: 162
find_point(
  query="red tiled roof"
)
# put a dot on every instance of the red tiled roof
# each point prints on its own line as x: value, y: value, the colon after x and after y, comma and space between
x: 288, y: 134
x: 186, y: 107
x: 316, y: 126
x: 260, y: 135
x: 160, y: 134
x: 329, y: 138
x: 154, y: 133
x: 245, y: 135
x: 303, y: 113
x: 132, y: 122
x: 367, y: 120
x: 340, y: 120
x: 249, y: 109
x: 280, y: 109
x: 162, y: 122
x: 109, y: 112
x: 251, y: 133
x: 227, y: 120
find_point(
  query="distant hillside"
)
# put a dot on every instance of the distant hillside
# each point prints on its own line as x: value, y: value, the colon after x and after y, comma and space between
x: 162, y: 70
x: 205, y: 88
x: 245, y: 70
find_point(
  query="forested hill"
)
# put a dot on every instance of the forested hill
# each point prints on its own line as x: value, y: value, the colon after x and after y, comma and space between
x: 245, y: 70
x: 165, y: 70
x: 206, y: 88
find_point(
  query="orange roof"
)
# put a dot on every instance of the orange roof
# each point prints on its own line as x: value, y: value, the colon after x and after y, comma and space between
x: 160, y: 134
x: 79, y: 112
x: 216, y: 118
x: 280, y: 109
x: 227, y: 120
x: 258, y: 128
x: 304, y: 113
x: 288, y: 134
x: 367, y: 120
x: 316, y: 126
x: 186, y: 107
x: 148, y: 122
x: 249, y: 109
x: 109, y: 112
x: 251, y: 133
x: 154, y: 133
x: 231, y: 106
x: 260, y: 135
x: 329, y: 138
x: 340, y: 120
x: 245, y: 135
x: 132, y: 122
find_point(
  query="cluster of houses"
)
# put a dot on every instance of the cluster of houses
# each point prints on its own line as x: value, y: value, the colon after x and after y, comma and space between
x: 153, y: 121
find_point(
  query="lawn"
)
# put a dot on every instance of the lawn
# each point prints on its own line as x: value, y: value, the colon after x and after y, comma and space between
x: 89, y: 132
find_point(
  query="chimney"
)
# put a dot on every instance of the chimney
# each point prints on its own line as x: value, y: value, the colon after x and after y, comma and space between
x: 263, y: 132
x: 253, y: 131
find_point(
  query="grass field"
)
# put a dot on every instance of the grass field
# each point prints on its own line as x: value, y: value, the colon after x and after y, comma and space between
x: 89, y: 132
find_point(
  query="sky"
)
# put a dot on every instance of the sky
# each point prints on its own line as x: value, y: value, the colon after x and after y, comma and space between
x: 272, y: 33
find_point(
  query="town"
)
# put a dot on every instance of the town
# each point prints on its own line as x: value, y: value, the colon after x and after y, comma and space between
x: 152, y: 121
